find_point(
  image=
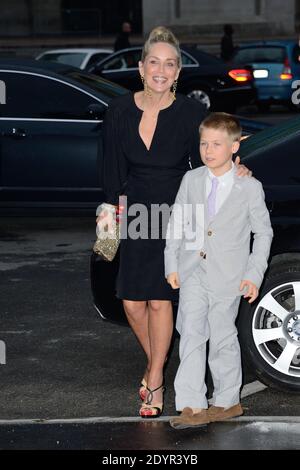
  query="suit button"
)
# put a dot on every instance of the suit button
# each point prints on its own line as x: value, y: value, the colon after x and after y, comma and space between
x: 201, y: 253
x: 209, y: 233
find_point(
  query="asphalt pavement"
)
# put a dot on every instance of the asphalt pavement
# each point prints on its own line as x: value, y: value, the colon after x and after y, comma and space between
x: 63, y: 362
x: 238, y: 434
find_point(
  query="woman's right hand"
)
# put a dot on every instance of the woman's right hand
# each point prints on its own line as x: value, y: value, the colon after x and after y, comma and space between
x: 109, y: 214
x: 103, y: 217
x: 105, y: 221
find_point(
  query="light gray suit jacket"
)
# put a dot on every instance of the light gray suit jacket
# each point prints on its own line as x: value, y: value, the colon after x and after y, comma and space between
x: 225, y: 240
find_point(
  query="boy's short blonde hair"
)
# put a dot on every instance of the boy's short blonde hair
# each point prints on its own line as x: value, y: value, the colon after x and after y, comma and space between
x: 223, y: 121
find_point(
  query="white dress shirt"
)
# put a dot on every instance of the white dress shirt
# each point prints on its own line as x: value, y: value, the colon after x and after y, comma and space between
x: 224, y: 186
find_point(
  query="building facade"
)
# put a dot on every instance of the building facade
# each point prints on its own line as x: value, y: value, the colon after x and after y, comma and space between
x: 258, y: 17
x: 103, y: 17
x: 68, y: 17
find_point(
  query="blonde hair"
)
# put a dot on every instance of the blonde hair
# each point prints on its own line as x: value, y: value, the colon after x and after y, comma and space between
x: 162, y: 34
x: 223, y: 121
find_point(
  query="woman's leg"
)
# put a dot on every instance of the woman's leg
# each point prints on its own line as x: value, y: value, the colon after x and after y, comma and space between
x: 160, y: 333
x: 152, y: 324
x: 137, y: 314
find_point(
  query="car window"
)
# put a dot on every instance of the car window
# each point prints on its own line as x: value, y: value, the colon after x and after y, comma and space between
x: 107, y: 88
x: 71, y: 58
x: 95, y: 58
x: 125, y: 60
x: 268, y: 54
x: 32, y: 96
x: 187, y: 59
x: 132, y: 58
x: 115, y: 63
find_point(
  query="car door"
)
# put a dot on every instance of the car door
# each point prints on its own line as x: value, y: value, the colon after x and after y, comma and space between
x: 122, y: 68
x: 273, y: 156
x: 50, y: 143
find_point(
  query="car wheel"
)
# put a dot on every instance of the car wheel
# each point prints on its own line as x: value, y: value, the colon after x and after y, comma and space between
x: 270, y: 330
x: 200, y: 95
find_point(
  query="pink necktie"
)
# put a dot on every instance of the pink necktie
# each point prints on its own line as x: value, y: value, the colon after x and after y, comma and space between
x: 211, y: 200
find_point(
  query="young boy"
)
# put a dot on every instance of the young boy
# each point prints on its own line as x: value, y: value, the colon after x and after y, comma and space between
x: 209, y: 259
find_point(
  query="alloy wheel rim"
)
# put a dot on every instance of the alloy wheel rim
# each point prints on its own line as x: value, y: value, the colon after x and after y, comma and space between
x: 276, y: 328
x: 201, y: 96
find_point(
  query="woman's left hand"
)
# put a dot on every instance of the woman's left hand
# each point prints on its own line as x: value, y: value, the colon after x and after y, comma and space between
x: 241, y: 169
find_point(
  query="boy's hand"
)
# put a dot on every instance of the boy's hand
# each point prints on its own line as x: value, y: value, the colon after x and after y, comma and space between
x: 173, y: 280
x: 244, y: 137
x: 242, y: 170
x: 252, y: 291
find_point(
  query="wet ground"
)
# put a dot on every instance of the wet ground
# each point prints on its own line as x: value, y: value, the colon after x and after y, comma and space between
x: 64, y: 363
x: 238, y: 434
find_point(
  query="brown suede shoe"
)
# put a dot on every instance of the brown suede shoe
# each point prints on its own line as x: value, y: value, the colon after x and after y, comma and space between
x: 188, y: 419
x: 217, y: 413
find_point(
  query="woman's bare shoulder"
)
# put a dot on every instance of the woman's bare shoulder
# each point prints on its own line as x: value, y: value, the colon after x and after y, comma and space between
x: 138, y: 98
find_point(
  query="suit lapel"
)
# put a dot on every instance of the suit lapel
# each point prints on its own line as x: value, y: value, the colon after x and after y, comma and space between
x: 199, y: 194
x: 200, y: 181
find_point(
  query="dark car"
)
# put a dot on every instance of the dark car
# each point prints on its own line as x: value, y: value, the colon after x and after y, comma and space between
x: 51, y: 135
x: 51, y: 119
x: 203, y: 77
x: 269, y: 330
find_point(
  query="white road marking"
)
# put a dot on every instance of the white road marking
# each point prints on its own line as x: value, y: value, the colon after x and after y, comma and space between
x: 251, y: 388
x: 131, y: 419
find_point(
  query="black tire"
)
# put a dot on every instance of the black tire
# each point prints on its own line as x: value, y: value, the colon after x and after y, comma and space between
x: 279, y: 279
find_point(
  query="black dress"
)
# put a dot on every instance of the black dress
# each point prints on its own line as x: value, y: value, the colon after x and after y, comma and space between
x: 149, y: 177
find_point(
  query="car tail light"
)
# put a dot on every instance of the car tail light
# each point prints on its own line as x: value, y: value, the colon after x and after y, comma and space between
x: 240, y: 75
x: 286, y: 72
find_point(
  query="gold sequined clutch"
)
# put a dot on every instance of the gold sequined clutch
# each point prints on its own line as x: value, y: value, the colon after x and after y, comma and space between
x: 108, y: 233
x: 107, y: 246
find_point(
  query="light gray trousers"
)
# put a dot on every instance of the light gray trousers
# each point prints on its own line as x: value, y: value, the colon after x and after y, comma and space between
x: 202, y: 317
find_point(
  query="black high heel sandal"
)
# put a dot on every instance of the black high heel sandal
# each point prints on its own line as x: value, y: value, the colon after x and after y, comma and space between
x: 143, y: 390
x: 151, y: 410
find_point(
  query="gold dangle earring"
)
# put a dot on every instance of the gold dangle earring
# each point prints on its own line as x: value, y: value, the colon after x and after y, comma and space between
x: 174, y: 87
x: 146, y: 88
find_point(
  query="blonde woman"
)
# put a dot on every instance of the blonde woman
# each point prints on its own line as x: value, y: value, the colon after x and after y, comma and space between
x: 151, y: 139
